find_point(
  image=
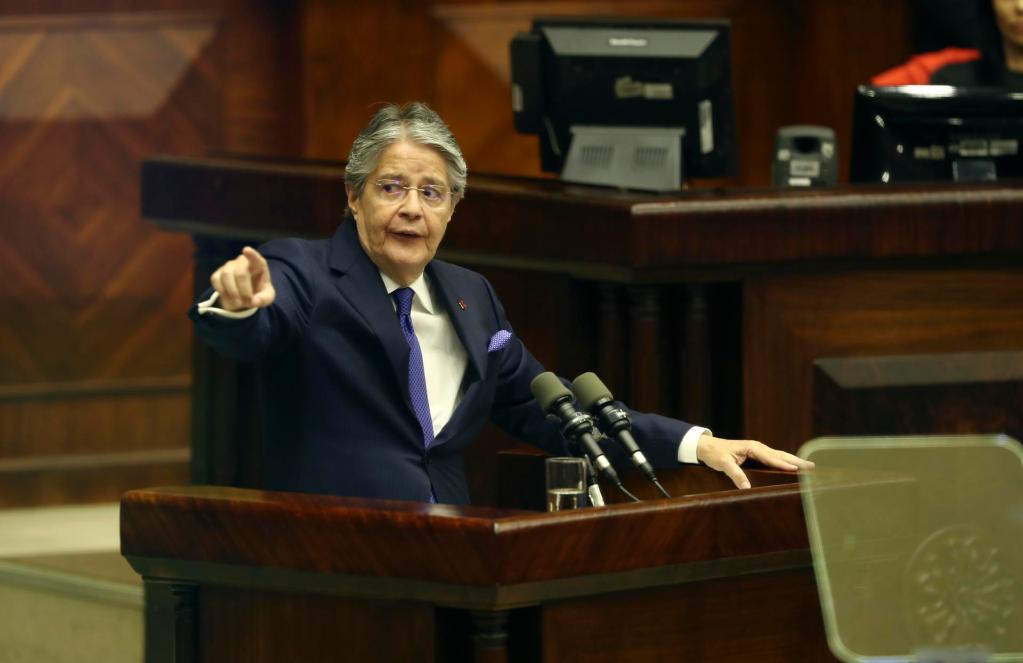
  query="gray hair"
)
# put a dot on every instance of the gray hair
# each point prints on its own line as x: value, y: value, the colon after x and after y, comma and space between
x: 415, y: 122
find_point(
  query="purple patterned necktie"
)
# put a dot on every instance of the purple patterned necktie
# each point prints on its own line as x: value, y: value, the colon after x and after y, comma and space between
x: 416, y: 374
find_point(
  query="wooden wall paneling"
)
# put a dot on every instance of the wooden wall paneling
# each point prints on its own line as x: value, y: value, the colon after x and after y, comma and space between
x: 92, y: 477
x: 264, y: 78
x: 357, y: 55
x: 792, y: 64
x: 95, y: 351
x: 96, y: 330
x: 792, y: 321
x: 77, y: 417
x: 831, y: 47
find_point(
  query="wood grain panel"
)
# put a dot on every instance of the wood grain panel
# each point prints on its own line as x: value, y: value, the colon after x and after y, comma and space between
x: 263, y: 77
x: 38, y: 420
x: 93, y: 298
x: 357, y: 55
x: 266, y: 627
x: 791, y: 321
x: 95, y: 291
x: 93, y: 477
x: 679, y: 623
x: 792, y: 65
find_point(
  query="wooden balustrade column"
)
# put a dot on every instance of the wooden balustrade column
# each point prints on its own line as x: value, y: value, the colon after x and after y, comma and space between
x: 644, y: 360
x: 611, y: 351
x: 490, y: 636
x: 172, y: 621
x: 695, y: 370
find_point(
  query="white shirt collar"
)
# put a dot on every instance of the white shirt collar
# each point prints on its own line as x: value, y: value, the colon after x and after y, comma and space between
x: 419, y: 286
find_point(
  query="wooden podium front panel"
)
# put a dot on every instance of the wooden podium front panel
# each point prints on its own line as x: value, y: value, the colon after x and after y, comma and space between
x: 268, y: 627
x: 764, y: 617
x: 243, y: 575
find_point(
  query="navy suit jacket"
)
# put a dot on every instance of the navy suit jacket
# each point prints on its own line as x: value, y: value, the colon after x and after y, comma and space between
x: 334, y: 366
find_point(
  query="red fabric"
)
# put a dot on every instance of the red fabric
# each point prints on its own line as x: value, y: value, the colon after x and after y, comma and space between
x: 919, y: 69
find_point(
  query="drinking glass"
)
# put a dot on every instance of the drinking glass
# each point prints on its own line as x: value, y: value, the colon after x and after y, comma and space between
x: 566, y: 483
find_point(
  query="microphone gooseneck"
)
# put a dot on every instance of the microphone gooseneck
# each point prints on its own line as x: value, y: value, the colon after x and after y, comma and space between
x: 555, y: 401
x: 593, y: 489
x: 594, y: 396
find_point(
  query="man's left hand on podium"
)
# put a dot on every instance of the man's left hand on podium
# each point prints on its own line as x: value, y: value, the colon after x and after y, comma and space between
x: 727, y: 455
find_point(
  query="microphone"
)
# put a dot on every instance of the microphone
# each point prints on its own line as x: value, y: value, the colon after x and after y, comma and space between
x: 555, y: 401
x: 595, y: 397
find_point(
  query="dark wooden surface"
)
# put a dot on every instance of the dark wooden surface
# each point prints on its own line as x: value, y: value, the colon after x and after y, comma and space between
x: 763, y: 617
x: 553, y: 581
x: 480, y: 547
x: 595, y: 232
x: 976, y: 392
x: 69, y: 479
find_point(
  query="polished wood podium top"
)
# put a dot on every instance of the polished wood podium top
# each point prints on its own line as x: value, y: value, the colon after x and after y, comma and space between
x: 476, y: 557
x: 602, y: 232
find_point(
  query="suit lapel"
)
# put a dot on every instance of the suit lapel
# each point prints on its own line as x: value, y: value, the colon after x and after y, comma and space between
x: 359, y: 282
x: 464, y: 316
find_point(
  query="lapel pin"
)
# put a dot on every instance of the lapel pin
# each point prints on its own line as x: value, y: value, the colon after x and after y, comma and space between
x: 461, y: 304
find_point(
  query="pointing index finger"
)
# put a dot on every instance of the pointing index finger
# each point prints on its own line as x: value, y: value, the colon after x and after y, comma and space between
x: 257, y: 263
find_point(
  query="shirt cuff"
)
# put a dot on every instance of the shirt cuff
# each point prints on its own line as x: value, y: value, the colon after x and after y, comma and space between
x: 687, y: 449
x: 208, y: 307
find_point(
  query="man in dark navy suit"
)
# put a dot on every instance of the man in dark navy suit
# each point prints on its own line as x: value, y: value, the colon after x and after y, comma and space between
x: 380, y: 363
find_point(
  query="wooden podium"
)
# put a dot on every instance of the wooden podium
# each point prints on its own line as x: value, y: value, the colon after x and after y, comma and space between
x: 252, y: 576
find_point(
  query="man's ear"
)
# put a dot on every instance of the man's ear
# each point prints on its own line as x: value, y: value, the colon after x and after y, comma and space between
x: 454, y: 204
x: 351, y: 198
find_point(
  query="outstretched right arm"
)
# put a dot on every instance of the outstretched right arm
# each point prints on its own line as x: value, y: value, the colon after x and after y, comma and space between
x: 253, y: 306
x: 244, y: 282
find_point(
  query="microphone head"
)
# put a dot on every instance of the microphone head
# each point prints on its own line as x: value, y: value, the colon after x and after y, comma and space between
x: 548, y: 390
x: 589, y: 390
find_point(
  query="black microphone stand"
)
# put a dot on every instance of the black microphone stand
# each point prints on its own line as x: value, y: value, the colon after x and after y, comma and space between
x: 593, y: 489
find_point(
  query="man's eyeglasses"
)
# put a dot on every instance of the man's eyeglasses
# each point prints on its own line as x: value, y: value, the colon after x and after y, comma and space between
x: 394, y: 191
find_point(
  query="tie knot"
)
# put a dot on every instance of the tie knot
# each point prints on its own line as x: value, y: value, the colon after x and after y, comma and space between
x: 403, y: 297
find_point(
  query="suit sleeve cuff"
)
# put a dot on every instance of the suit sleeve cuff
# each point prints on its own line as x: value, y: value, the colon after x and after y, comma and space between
x: 207, y: 306
x: 687, y: 449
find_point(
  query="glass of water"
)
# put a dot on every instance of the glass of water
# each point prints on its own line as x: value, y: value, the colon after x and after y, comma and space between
x: 566, y: 483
